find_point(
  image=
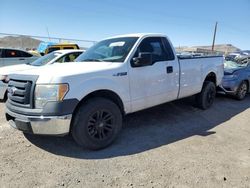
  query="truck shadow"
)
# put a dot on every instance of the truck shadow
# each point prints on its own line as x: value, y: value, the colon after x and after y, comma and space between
x: 152, y: 128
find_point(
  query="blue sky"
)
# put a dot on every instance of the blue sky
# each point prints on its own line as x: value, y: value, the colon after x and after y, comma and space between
x: 186, y: 22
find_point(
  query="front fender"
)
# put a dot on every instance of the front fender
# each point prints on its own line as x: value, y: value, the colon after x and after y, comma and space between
x: 120, y: 86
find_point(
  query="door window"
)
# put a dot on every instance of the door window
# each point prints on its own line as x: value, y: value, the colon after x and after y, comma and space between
x: 68, y: 47
x: 11, y: 53
x: 24, y: 54
x: 168, y: 49
x: 153, y: 45
x: 68, y: 57
x: 15, y: 53
x: 51, y: 49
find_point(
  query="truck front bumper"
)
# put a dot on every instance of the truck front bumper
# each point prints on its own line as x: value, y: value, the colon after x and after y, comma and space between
x: 229, y: 86
x: 42, y: 125
x: 226, y: 90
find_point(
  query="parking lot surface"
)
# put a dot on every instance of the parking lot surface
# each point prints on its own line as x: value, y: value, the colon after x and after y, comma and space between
x: 172, y: 145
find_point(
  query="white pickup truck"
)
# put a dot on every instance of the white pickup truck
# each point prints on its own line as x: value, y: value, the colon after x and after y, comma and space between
x: 115, y: 77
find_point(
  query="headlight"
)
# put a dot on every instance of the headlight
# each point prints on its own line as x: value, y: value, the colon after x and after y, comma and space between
x: 4, y: 78
x: 231, y: 76
x: 53, y: 92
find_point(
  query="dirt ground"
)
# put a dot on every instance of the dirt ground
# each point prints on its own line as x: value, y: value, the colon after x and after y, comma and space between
x: 172, y: 145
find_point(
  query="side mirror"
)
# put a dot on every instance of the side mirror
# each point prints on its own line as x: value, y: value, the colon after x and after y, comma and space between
x: 144, y: 59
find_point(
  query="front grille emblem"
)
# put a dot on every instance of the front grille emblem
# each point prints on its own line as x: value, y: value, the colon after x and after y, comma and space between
x: 12, y: 90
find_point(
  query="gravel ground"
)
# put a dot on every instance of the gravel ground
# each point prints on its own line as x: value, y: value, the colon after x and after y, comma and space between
x: 172, y: 145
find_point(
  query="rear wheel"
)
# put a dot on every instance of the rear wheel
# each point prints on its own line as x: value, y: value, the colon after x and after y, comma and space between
x: 97, y: 123
x: 206, y: 97
x: 242, y: 91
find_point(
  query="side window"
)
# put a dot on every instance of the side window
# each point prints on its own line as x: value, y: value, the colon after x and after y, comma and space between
x: 74, y: 55
x: 51, y: 49
x: 68, y: 47
x: 68, y: 57
x: 168, y: 49
x: 24, y: 54
x: 1, y: 53
x: 61, y: 59
x: 12, y: 53
x: 153, y: 45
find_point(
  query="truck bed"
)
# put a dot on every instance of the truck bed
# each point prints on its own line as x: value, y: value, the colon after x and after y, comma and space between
x: 193, y: 71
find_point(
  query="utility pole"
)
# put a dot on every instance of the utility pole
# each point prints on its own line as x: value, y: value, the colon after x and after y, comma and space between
x: 215, y: 30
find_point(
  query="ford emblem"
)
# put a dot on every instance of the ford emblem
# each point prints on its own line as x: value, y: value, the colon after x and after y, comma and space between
x: 12, y: 90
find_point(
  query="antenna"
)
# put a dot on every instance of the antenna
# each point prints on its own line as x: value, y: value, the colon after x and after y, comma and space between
x: 215, y: 30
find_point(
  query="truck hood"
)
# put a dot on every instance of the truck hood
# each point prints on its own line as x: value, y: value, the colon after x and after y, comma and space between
x: 230, y: 71
x: 15, y: 69
x: 47, y: 73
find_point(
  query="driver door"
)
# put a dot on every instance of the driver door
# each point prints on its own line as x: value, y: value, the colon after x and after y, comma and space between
x: 156, y: 83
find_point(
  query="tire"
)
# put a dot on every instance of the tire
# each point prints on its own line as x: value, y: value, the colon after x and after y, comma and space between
x: 241, y: 91
x: 96, y: 123
x: 207, y: 95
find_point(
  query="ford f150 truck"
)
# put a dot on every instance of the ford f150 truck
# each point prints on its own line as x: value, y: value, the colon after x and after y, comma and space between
x: 115, y: 77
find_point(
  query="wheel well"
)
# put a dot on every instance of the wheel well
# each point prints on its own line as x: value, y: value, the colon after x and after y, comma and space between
x: 247, y: 81
x: 211, y: 77
x: 104, y: 94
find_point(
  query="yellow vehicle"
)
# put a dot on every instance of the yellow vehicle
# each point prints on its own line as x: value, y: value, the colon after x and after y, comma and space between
x: 61, y: 47
x: 47, y: 47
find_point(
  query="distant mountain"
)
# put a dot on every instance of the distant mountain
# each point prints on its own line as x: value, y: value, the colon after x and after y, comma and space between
x: 22, y: 42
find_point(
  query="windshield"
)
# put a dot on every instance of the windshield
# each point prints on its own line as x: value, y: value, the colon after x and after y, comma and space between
x: 112, y: 50
x: 233, y: 65
x: 45, y: 59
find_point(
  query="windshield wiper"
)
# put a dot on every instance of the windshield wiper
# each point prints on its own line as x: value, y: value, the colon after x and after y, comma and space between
x: 93, y: 60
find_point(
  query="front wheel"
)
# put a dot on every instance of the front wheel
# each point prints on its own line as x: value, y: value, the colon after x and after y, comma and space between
x: 96, y: 123
x: 242, y: 91
x: 206, y: 97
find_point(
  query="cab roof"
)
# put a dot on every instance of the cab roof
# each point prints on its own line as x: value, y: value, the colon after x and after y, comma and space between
x: 139, y: 35
x: 69, y: 50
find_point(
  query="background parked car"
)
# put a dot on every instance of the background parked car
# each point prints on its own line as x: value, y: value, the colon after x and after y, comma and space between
x: 59, y: 56
x: 236, y: 79
x: 237, y: 55
x: 11, y: 56
x: 246, y: 52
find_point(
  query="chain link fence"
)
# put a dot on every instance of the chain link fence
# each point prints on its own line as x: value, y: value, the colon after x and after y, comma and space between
x: 31, y: 42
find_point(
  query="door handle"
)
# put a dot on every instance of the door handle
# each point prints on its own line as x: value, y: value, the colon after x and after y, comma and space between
x: 169, y: 69
x: 21, y: 59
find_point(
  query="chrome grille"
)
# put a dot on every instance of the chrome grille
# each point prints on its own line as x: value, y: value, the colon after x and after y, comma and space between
x: 19, y: 92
